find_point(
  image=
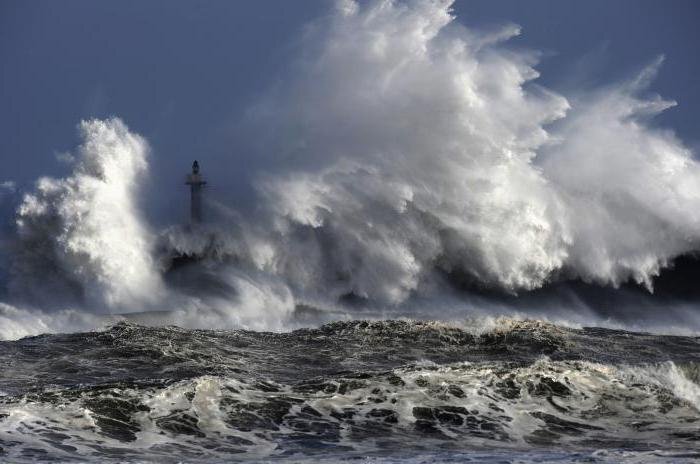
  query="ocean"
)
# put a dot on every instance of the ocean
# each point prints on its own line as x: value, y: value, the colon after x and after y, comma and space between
x: 354, y: 391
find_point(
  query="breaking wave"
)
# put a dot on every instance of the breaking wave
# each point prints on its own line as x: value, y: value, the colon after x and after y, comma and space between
x: 406, y: 159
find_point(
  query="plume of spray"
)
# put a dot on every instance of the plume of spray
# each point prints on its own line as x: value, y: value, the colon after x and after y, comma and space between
x: 631, y: 192
x: 403, y: 152
x: 83, y: 247
x: 409, y: 147
x: 406, y: 145
x: 82, y: 235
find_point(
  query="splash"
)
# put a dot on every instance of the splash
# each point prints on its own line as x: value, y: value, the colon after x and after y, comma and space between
x: 411, y: 147
x: 404, y: 155
x: 83, y: 235
x: 631, y: 191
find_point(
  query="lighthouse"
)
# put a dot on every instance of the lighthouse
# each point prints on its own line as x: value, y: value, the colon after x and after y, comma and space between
x: 196, y: 182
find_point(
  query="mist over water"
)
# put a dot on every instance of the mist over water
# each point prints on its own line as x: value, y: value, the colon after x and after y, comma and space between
x: 413, y: 167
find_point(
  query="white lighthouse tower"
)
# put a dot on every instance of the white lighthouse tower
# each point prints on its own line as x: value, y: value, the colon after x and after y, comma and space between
x: 196, y: 182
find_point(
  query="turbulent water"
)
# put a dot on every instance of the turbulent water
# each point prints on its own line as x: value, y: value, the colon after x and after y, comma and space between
x: 383, y: 390
x: 403, y: 166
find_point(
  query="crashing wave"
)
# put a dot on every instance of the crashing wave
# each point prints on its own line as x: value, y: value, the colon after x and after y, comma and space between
x: 405, y: 159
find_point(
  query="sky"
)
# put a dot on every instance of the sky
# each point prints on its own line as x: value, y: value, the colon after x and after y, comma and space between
x: 183, y: 73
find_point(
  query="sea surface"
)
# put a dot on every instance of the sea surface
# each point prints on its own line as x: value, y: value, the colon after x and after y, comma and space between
x: 357, y: 391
